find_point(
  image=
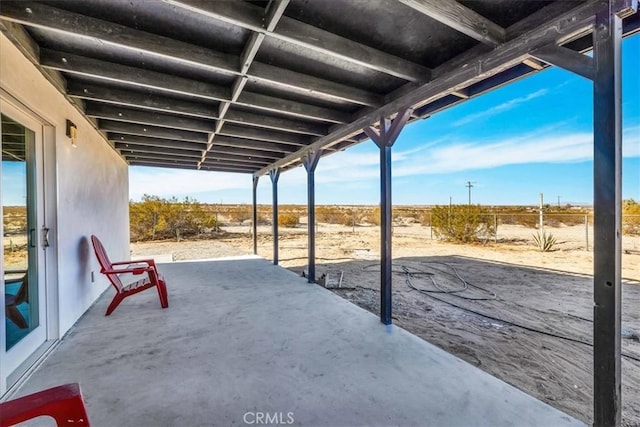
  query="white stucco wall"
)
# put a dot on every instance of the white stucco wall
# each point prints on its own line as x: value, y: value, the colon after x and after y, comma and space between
x: 92, y: 187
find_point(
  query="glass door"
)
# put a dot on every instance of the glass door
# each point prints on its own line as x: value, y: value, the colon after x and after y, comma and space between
x: 23, y: 257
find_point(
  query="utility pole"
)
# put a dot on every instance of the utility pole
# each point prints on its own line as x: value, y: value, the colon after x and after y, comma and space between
x: 558, y: 201
x: 469, y: 185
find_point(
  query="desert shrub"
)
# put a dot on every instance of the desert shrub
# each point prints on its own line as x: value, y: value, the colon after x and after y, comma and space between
x: 631, y: 217
x: 157, y: 218
x: 237, y: 214
x: 544, y: 241
x: 288, y: 219
x: 462, y: 223
x: 334, y: 215
x: 373, y: 216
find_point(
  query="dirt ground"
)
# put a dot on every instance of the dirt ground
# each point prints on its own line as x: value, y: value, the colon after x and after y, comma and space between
x: 519, y: 314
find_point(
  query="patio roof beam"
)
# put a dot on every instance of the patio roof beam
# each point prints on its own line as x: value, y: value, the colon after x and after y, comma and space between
x: 607, y: 213
x: 129, y: 115
x: 214, y: 155
x: 461, y: 18
x: 310, y: 163
x: 223, y: 169
x: 155, y: 142
x: 469, y: 68
x: 148, y: 150
x: 151, y: 131
x: 161, y: 164
x: 108, y: 71
x: 566, y: 58
x: 245, y: 152
x: 274, y: 174
x: 313, y: 38
x: 39, y: 15
x: 265, y: 135
x: 179, y: 107
x: 230, y: 141
x: 148, y: 101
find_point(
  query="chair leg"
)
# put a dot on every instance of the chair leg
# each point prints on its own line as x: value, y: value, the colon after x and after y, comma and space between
x: 162, y: 293
x: 63, y: 403
x: 16, y: 317
x: 114, y: 303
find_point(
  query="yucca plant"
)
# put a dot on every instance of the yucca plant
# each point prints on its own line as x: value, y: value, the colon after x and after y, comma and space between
x: 544, y: 241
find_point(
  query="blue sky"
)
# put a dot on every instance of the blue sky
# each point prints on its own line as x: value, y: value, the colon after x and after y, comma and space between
x: 533, y: 136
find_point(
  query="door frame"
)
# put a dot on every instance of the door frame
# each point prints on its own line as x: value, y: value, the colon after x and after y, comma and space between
x: 10, y: 377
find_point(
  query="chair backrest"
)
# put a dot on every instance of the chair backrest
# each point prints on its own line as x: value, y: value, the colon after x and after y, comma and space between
x: 23, y: 292
x: 105, y: 263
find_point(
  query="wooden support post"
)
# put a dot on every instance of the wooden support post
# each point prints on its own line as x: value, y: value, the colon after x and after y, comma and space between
x: 254, y: 215
x: 384, y: 138
x: 607, y: 138
x: 274, y: 174
x: 310, y: 162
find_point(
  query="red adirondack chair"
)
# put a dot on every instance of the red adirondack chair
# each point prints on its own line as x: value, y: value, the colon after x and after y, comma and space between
x: 148, y: 266
x: 63, y: 403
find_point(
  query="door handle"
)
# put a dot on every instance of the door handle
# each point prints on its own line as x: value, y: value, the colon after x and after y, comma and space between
x: 32, y: 237
x: 45, y: 237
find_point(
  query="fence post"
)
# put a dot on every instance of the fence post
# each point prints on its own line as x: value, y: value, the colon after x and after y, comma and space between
x: 495, y: 227
x: 431, y: 225
x: 586, y: 231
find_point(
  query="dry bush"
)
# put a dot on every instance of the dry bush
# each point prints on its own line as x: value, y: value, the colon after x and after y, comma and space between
x: 237, y: 214
x: 631, y: 217
x: 373, y: 217
x: 157, y: 218
x: 462, y: 223
x: 334, y: 215
x: 288, y: 219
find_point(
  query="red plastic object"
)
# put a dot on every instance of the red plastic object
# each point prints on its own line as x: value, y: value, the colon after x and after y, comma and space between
x: 63, y: 403
x: 132, y: 267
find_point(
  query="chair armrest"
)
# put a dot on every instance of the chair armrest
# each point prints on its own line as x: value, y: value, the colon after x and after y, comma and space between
x: 134, y: 270
x: 148, y: 262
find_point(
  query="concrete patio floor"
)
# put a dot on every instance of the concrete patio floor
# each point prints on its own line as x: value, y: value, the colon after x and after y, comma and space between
x: 243, y: 337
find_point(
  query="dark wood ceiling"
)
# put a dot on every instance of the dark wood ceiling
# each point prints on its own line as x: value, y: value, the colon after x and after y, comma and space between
x: 245, y: 87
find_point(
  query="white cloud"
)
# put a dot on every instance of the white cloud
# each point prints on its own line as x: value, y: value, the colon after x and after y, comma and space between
x: 505, y: 106
x: 171, y: 182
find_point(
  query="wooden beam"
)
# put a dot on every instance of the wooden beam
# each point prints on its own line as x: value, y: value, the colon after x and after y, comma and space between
x: 48, y: 17
x: 567, y: 59
x: 230, y: 141
x: 161, y: 164
x: 210, y: 168
x: 141, y: 78
x: 276, y: 123
x: 136, y: 99
x: 532, y: 63
x: 264, y: 135
x: 313, y: 38
x: 149, y: 150
x: 151, y: 131
x: 292, y: 108
x: 309, y: 85
x: 607, y: 219
x: 108, y: 71
x: 106, y: 111
x: 247, y: 152
x: 463, y: 71
x: 461, y: 18
x: 155, y: 142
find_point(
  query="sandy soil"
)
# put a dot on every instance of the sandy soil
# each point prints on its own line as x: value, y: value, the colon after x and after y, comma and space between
x: 525, y: 317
